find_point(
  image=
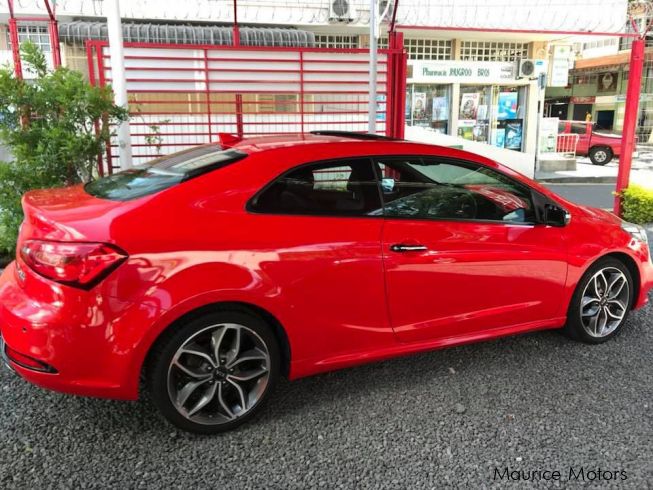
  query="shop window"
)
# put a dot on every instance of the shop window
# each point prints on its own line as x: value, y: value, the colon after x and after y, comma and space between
x: 336, y: 41
x: 474, y: 113
x: 492, y: 51
x: 492, y: 114
x: 429, y: 106
x: 428, y: 49
x: 584, y: 79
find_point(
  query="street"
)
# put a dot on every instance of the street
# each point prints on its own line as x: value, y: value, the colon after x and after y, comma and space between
x: 595, y: 195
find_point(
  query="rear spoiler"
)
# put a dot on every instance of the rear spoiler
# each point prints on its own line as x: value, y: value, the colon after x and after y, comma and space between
x: 228, y: 140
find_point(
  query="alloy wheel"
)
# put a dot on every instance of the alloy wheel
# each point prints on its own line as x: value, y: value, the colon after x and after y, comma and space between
x: 219, y: 374
x: 604, y: 302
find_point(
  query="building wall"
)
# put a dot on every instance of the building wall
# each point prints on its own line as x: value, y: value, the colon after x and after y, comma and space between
x: 4, y: 44
x: 536, y: 15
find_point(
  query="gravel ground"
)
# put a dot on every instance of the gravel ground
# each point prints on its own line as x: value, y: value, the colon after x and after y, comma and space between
x: 445, y: 418
x: 442, y: 419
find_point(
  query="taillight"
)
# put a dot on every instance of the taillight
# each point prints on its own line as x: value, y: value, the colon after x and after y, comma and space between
x: 80, y: 265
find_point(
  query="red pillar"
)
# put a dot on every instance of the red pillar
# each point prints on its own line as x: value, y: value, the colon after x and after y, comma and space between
x: 630, y: 119
x: 53, y: 30
x: 54, y: 42
x: 15, y: 48
x: 396, y: 101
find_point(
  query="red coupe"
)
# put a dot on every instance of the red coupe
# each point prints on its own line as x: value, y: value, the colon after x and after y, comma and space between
x: 211, y: 272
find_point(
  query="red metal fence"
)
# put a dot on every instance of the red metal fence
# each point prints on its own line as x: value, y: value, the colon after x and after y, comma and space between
x: 183, y: 95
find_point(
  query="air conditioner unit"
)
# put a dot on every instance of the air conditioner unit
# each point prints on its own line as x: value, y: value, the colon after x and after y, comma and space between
x: 530, y: 68
x: 341, y: 11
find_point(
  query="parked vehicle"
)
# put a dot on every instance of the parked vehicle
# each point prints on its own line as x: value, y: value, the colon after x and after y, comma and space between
x: 212, y: 272
x: 600, y: 146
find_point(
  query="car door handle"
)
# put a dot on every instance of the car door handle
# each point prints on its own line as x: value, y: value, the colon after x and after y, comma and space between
x: 403, y: 247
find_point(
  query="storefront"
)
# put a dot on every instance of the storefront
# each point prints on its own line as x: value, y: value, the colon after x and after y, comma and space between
x: 477, y: 101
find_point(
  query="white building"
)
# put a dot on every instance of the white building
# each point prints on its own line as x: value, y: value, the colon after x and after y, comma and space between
x: 463, y: 77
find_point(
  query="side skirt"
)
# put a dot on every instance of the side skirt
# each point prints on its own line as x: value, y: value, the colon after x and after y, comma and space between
x: 308, y: 367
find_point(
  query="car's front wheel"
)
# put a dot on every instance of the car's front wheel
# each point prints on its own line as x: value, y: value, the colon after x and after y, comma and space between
x: 601, y: 302
x: 601, y: 155
x: 213, y: 373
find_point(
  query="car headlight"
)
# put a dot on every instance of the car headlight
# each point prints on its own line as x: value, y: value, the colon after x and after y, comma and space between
x: 636, y: 231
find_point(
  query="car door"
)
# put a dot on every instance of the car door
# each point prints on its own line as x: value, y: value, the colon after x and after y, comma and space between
x: 318, y: 242
x: 584, y: 132
x: 462, y: 251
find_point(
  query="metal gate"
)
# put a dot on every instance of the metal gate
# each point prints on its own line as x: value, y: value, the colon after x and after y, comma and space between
x: 183, y: 95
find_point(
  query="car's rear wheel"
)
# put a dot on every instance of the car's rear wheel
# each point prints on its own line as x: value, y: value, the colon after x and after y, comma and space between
x: 600, y: 155
x: 601, y: 302
x: 214, y: 373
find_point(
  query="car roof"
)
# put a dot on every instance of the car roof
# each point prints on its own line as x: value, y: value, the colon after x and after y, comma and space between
x: 272, y: 142
x: 341, y: 145
x: 325, y: 147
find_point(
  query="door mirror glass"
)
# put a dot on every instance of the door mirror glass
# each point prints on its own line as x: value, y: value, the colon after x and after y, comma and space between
x: 555, y: 215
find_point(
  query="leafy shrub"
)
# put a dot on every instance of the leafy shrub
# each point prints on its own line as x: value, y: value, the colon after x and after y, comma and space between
x: 637, y: 204
x: 48, y: 124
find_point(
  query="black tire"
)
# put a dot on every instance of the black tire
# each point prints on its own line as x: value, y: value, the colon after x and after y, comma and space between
x: 601, y: 155
x: 577, y: 327
x: 160, y: 371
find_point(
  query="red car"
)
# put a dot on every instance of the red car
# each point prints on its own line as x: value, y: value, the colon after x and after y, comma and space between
x: 211, y: 272
x: 600, y: 146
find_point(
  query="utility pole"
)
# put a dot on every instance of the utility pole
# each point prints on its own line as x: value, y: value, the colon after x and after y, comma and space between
x: 118, y: 81
x: 374, y: 33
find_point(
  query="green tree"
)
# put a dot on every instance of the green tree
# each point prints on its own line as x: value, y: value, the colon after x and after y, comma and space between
x: 49, y: 125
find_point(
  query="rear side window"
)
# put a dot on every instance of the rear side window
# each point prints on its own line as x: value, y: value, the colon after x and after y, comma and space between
x: 341, y: 188
x: 162, y: 173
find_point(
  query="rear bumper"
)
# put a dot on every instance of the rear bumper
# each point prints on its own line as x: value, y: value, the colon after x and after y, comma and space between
x: 86, y: 336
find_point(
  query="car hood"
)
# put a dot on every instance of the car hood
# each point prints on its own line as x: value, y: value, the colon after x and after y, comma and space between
x: 601, y: 215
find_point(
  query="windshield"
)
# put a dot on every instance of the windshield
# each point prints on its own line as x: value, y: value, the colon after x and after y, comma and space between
x: 163, y: 173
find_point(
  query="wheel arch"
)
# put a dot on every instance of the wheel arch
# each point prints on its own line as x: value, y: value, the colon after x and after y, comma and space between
x: 278, y: 330
x: 628, y: 262
x: 632, y: 267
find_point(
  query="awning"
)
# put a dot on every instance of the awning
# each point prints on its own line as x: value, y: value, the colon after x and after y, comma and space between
x: 79, y: 31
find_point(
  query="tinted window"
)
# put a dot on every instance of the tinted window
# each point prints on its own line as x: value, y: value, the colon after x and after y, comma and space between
x: 162, y: 173
x: 429, y: 188
x: 345, y: 187
x: 578, y: 128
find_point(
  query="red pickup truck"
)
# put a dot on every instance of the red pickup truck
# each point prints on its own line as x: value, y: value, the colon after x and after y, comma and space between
x: 600, y: 146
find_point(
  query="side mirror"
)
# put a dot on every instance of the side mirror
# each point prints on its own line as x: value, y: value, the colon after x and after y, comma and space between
x: 555, y: 215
